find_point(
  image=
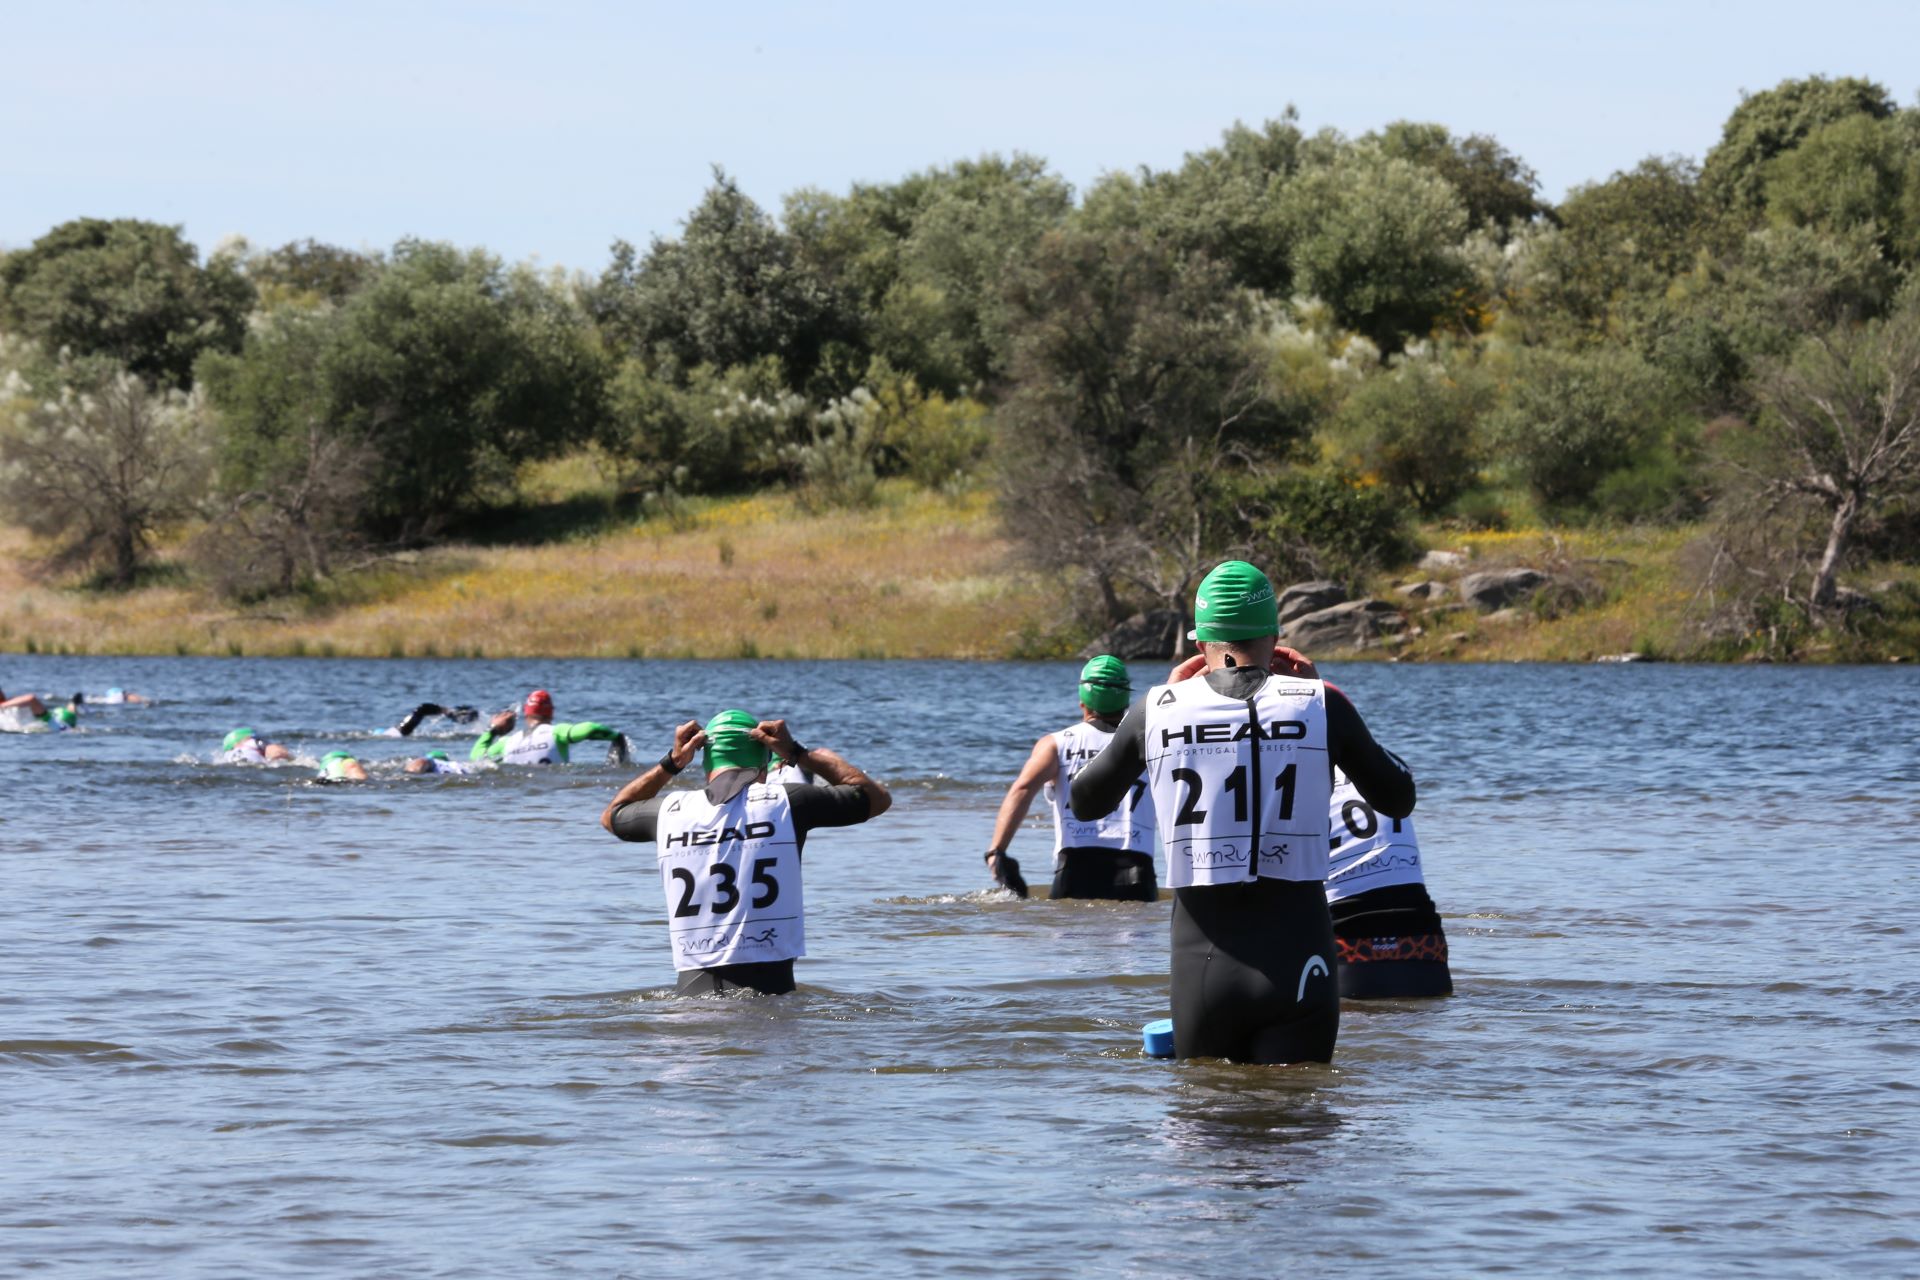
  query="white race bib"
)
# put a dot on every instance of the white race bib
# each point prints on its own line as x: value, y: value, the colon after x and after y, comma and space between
x: 248, y: 752
x: 1222, y: 769
x: 530, y: 746
x: 731, y: 874
x: 1129, y: 826
x: 1369, y: 852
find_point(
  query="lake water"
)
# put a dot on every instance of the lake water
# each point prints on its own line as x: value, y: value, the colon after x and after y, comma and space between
x: 251, y: 1025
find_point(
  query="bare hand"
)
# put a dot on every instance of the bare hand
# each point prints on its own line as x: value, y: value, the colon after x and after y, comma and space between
x: 687, y: 740
x: 1292, y: 662
x: 1189, y: 669
x: 502, y: 723
x: 774, y: 734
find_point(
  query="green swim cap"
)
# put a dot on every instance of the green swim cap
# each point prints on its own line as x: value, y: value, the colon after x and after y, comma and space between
x: 235, y: 738
x: 436, y: 754
x: 730, y: 747
x: 1104, y: 685
x: 1235, y: 602
x: 331, y: 756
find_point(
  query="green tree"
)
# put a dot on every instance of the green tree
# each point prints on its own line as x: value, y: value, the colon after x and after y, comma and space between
x: 1136, y: 400
x: 1858, y: 171
x: 1774, y: 121
x: 1619, y: 244
x: 308, y: 272
x: 730, y: 290
x: 132, y: 291
x: 1416, y: 427
x: 1496, y: 187
x: 1379, y: 238
x: 1223, y: 202
x: 1572, y: 418
x: 94, y: 459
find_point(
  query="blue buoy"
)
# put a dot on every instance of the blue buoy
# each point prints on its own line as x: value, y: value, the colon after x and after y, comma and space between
x: 1157, y: 1038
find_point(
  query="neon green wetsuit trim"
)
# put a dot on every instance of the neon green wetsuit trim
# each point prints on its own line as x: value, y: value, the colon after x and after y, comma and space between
x: 490, y: 747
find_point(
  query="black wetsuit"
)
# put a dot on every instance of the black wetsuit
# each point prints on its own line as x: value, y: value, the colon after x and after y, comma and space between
x: 1243, y: 953
x: 813, y: 807
x: 1402, y: 919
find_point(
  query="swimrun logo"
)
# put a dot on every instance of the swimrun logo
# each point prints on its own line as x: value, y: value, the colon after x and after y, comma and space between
x: 1313, y: 965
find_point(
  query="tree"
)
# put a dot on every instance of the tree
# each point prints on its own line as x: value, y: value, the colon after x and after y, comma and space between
x: 294, y: 486
x: 1773, y: 121
x: 1379, y: 239
x: 1496, y: 187
x: 728, y: 291
x: 308, y: 272
x: 1838, y: 439
x: 1136, y: 396
x: 1416, y: 427
x: 95, y: 460
x: 1857, y: 171
x: 1571, y: 418
x: 1222, y: 202
x: 128, y: 290
x: 1619, y: 243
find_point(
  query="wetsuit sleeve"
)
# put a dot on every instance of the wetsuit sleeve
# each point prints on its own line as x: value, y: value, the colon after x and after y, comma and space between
x: 637, y: 820
x: 1099, y: 788
x: 816, y: 806
x: 487, y: 745
x: 1381, y: 777
x: 585, y: 731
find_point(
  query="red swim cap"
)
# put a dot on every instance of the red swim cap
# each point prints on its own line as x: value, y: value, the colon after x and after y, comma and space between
x: 539, y: 703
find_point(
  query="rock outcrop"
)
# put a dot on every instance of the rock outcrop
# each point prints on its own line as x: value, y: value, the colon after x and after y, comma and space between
x: 1303, y: 598
x: 1499, y: 588
x: 1356, y: 624
x: 1154, y: 634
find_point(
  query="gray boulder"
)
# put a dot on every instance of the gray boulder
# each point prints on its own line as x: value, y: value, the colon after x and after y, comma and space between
x: 1303, y: 598
x: 1155, y: 634
x: 1498, y: 588
x: 1356, y: 624
x: 1428, y: 590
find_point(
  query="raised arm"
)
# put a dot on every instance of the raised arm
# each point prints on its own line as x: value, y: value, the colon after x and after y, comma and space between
x: 1380, y: 776
x: 687, y: 741
x: 823, y: 764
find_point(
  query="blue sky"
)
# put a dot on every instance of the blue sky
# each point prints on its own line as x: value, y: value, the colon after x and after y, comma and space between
x: 546, y: 130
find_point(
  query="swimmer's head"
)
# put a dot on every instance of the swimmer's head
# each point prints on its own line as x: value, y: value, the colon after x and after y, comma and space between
x: 419, y: 764
x: 539, y: 706
x: 730, y: 744
x: 1105, y: 687
x: 436, y: 754
x: 1235, y: 602
x: 235, y: 738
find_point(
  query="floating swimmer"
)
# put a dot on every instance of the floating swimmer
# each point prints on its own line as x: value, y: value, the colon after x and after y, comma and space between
x: 1110, y: 857
x: 1384, y: 923
x: 118, y: 697
x: 436, y: 761
x: 459, y: 715
x: 340, y: 766
x: 729, y: 854
x: 541, y: 741
x: 1240, y: 763
x: 244, y: 746
x: 26, y: 713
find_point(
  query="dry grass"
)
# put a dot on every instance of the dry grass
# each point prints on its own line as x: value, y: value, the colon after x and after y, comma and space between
x: 917, y: 577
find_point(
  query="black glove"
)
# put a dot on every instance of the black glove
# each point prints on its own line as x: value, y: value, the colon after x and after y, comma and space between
x: 460, y: 715
x: 619, y: 750
x: 1009, y: 877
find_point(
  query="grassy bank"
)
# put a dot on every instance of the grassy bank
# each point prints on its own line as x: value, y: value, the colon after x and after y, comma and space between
x: 917, y: 576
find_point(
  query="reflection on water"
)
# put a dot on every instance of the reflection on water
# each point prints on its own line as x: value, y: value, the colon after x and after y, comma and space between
x: 426, y: 1027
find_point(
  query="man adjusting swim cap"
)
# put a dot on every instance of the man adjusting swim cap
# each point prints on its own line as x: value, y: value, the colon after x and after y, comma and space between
x: 1235, y: 602
x: 731, y: 744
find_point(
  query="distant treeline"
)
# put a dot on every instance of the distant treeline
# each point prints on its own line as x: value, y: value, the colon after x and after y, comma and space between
x: 1291, y: 346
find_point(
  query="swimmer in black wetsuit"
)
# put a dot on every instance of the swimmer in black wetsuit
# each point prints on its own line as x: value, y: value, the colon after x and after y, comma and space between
x: 729, y: 853
x: 1240, y: 746
x: 1391, y: 941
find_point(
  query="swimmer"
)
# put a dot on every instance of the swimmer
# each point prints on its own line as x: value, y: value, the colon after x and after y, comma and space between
x: 459, y: 715
x: 339, y: 766
x: 436, y: 761
x: 729, y: 854
x: 1240, y: 746
x: 1386, y: 927
x: 118, y: 697
x: 542, y: 741
x: 244, y: 746
x: 1111, y: 857
x: 26, y: 713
